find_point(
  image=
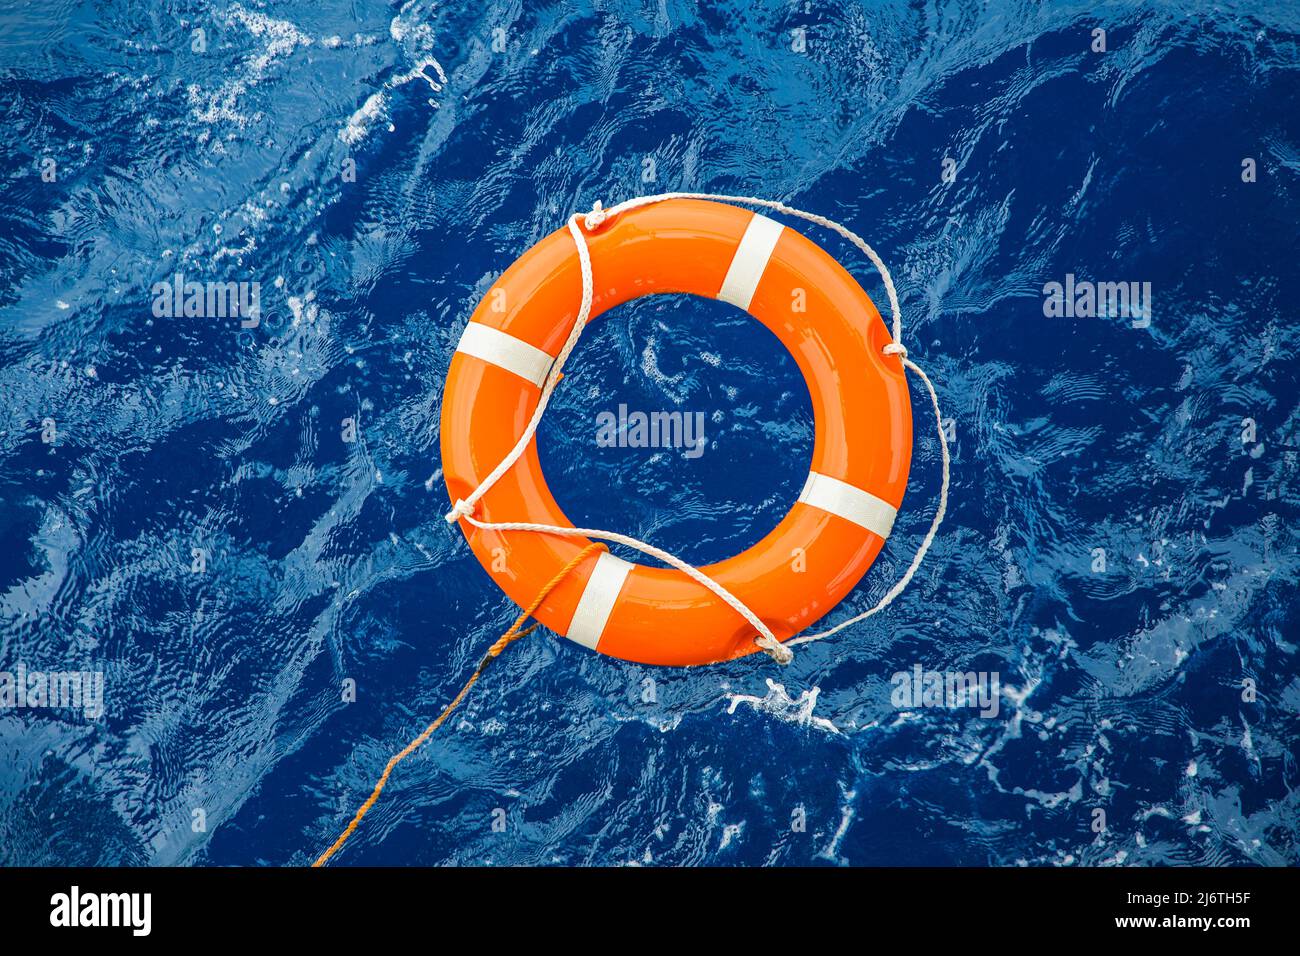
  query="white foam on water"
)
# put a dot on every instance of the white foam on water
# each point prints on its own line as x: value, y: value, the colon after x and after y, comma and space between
x: 283, y: 37
x: 235, y: 251
x: 832, y: 850
x: 304, y: 309
x: 782, y: 706
x: 650, y: 368
x: 406, y: 28
x: 375, y: 107
x: 729, y: 832
x: 359, y: 125
x: 665, y: 724
x: 222, y: 104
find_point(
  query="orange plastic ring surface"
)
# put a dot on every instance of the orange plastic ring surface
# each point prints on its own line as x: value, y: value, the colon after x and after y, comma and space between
x: 861, y: 409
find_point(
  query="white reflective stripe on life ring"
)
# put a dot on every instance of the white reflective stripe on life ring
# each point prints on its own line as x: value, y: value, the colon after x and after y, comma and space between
x: 850, y: 503
x: 505, y: 351
x: 598, y: 599
x: 750, y: 261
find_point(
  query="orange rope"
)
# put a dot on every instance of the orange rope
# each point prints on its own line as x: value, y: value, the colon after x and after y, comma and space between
x: 504, y: 641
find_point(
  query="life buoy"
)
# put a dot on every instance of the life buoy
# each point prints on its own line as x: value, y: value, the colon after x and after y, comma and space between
x: 861, y: 453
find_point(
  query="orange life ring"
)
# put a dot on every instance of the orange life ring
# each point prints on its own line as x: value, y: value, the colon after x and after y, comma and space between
x: 861, y: 453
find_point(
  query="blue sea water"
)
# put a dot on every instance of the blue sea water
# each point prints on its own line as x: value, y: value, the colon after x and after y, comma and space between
x: 182, y: 513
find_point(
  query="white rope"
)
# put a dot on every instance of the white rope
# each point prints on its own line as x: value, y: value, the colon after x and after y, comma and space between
x: 464, y: 508
x: 766, y: 639
x: 939, y: 512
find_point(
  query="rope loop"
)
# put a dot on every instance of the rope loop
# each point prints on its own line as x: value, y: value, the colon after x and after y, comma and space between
x: 596, y: 218
x: 461, y: 509
x: 774, y: 649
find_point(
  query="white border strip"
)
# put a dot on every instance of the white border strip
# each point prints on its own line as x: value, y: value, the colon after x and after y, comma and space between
x: 849, y: 502
x: 505, y: 351
x: 750, y: 261
x: 598, y: 599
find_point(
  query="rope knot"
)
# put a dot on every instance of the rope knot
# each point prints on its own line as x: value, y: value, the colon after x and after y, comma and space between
x: 895, y: 348
x: 461, y: 509
x: 596, y: 218
x: 774, y: 649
